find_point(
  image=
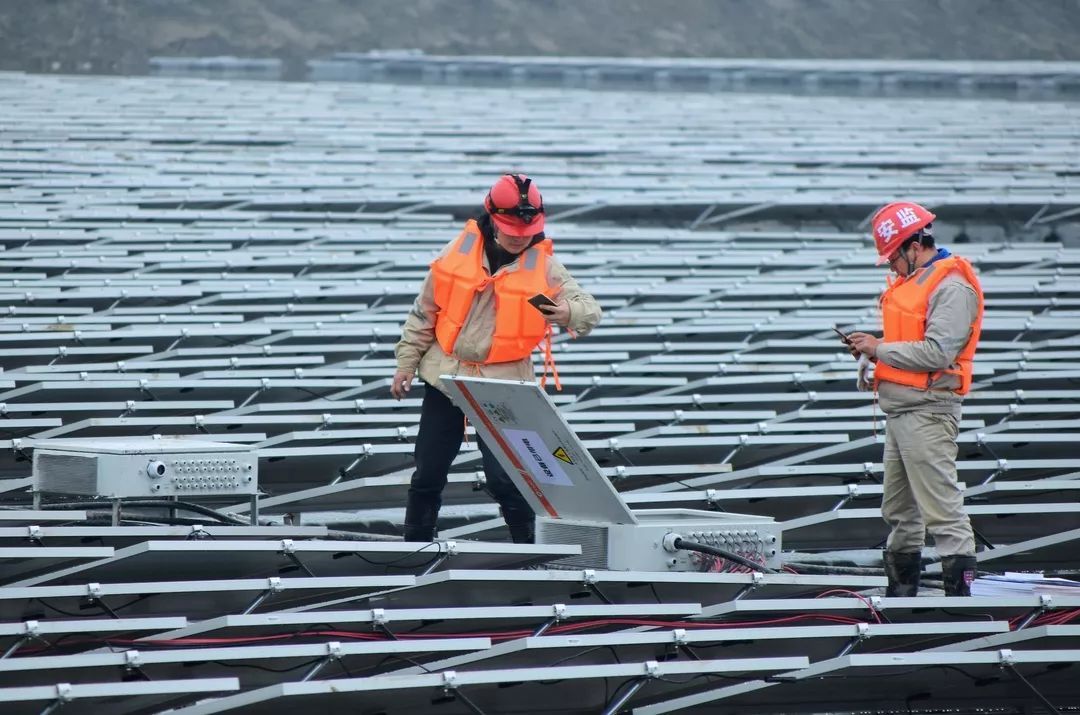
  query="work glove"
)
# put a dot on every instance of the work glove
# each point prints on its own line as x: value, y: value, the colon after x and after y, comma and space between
x: 864, y: 381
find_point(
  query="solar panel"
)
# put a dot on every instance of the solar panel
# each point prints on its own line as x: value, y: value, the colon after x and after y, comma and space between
x: 535, y: 685
x: 258, y: 665
x: 256, y: 559
x: 197, y: 598
x: 165, y: 271
x: 16, y: 561
x: 488, y: 587
x: 890, y: 680
x: 1044, y: 637
x: 121, y: 536
x: 394, y: 624
x: 995, y: 524
x: 814, y: 642
x: 31, y: 698
x: 896, y: 609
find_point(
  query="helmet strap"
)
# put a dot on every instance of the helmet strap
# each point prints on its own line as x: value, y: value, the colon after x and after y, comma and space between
x: 917, y: 241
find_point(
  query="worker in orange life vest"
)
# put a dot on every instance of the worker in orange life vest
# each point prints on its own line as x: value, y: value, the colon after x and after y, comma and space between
x: 932, y: 315
x: 472, y: 317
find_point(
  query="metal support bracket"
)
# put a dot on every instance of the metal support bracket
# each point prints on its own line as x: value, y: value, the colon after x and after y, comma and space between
x: 679, y: 644
x: 287, y: 548
x: 129, y: 408
x: 133, y: 666
x: 982, y: 539
x: 862, y: 632
x: 1046, y: 603
x: 379, y: 623
x: 744, y: 440
x: 1008, y: 662
x: 596, y: 380
x: 711, y: 501
x: 31, y: 632
x: 1002, y: 467
x: 17, y: 448
x: 557, y: 615
x: 853, y: 491
x: 333, y: 653
x: 756, y: 579
x: 63, y: 697
x: 262, y: 388
x: 451, y: 692
x: 93, y: 596
x: 450, y: 550
x: 366, y: 451
x: 273, y: 586
x: 144, y: 389
x: 184, y: 334
x: 652, y: 669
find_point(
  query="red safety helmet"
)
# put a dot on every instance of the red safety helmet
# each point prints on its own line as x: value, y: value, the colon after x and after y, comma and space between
x: 515, y: 205
x: 895, y: 223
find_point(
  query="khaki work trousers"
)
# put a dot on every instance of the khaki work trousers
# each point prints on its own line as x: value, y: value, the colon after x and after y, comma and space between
x: 921, y: 492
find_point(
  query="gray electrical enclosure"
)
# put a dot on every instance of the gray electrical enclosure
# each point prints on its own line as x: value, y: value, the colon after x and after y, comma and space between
x: 144, y: 467
x: 576, y: 504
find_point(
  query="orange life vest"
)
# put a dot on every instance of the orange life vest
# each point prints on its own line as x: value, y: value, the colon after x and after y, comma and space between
x: 904, y: 307
x: 459, y: 275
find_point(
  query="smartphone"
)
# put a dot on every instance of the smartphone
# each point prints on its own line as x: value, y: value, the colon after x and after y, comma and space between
x: 846, y: 339
x: 540, y: 299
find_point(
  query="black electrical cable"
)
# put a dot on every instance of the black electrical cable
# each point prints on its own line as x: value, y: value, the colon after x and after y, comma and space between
x: 183, y: 505
x: 263, y: 668
x: 61, y: 611
x: 468, y: 703
x: 809, y: 568
x: 681, y: 543
x: 393, y: 563
x: 600, y: 594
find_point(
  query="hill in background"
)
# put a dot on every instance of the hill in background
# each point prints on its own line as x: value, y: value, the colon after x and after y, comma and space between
x: 121, y: 35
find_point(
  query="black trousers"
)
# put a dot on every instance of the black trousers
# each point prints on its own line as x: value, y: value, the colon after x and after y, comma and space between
x: 442, y: 430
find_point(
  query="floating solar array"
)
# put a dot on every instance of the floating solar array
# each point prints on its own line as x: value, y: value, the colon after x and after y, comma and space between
x: 1030, y: 80
x: 232, y: 262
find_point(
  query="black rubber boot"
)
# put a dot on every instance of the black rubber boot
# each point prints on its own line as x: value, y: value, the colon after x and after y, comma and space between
x: 523, y: 533
x: 421, y: 518
x: 902, y: 570
x: 958, y: 572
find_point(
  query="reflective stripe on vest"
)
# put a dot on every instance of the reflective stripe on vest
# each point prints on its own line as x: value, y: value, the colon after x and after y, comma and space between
x: 904, y: 308
x: 460, y: 274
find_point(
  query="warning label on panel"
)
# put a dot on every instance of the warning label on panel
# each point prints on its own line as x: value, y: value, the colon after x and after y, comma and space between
x: 533, y: 452
x: 561, y: 455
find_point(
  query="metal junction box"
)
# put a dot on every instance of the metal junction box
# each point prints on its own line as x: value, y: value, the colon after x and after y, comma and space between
x: 640, y: 546
x: 124, y: 467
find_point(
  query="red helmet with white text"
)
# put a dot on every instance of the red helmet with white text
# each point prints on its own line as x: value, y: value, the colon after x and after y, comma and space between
x: 895, y: 223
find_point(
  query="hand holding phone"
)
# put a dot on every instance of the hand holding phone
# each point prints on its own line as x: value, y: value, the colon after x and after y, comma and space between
x: 555, y: 313
x: 540, y: 299
x: 847, y: 342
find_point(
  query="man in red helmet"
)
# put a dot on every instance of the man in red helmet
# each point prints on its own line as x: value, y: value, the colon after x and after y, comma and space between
x: 932, y: 317
x: 473, y: 317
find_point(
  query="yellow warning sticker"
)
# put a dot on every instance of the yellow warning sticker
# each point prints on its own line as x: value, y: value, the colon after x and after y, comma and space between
x: 562, y: 456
